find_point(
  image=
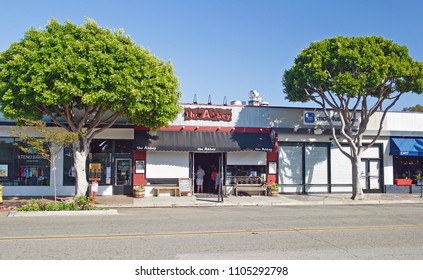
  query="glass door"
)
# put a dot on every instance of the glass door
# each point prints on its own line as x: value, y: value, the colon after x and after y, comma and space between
x: 123, y: 172
x: 370, y: 174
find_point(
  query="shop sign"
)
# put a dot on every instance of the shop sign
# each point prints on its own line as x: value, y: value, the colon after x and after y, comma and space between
x: 29, y: 157
x: 319, y: 118
x: 206, y: 149
x: 208, y: 114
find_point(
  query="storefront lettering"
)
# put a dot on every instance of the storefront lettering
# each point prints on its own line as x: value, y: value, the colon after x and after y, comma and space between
x: 29, y: 157
x: 263, y: 149
x: 210, y: 114
x: 206, y: 149
x: 146, y: 148
x: 318, y: 118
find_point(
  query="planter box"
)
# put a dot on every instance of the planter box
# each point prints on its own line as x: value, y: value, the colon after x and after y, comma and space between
x: 397, y: 189
x: 403, y: 182
x: 416, y: 189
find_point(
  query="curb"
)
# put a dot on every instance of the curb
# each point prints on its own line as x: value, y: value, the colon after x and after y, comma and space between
x: 61, y: 213
x: 255, y: 204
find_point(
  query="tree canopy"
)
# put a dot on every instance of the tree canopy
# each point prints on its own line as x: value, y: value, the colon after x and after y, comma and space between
x: 61, y: 69
x: 416, y: 108
x: 349, y: 67
x: 354, y: 77
x: 84, y: 78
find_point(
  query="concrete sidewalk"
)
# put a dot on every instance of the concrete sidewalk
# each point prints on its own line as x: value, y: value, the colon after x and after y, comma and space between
x: 121, y: 201
x: 117, y: 201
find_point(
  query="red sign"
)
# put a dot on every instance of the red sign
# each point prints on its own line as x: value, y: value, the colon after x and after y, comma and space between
x: 208, y: 114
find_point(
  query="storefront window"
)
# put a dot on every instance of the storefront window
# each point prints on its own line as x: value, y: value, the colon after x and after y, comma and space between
x: 100, y: 161
x: 6, y: 161
x: 32, y: 169
x: 245, y: 170
x: 407, y: 167
x: 124, y: 147
x: 21, y: 169
x: 68, y: 169
x: 291, y: 164
x: 303, y: 163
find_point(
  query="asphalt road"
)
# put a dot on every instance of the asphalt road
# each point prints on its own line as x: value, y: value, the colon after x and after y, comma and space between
x: 365, y: 232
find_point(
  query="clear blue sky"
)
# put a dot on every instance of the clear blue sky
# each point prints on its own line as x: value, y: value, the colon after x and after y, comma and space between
x: 229, y: 47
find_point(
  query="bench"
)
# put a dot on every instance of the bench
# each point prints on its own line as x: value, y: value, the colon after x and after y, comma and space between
x: 175, y: 189
x: 159, y: 184
x: 249, y: 184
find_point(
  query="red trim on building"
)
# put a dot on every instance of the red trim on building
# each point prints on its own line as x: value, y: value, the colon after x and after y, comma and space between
x: 272, y: 157
x: 139, y: 179
x: 209, y: 128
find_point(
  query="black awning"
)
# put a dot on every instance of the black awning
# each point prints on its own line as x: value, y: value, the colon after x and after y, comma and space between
x: 192, y: 141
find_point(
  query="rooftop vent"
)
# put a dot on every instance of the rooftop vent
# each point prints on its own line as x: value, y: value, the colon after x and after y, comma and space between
x: 256, y: 100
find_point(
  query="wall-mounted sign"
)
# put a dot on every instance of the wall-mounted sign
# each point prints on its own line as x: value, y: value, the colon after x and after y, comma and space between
x: 273, y: 169
x: 208, y: 114
x: 139, y: 166
x: 319, y: 118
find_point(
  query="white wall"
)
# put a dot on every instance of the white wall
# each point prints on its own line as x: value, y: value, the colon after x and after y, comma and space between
x: 167, y: 165
x: 246, y: 158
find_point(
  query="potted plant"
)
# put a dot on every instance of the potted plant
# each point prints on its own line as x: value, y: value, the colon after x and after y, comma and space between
x: 138, y: 191
x: 273, y: 189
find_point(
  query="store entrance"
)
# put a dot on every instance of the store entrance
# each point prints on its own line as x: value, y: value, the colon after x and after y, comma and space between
x: 207, y: 161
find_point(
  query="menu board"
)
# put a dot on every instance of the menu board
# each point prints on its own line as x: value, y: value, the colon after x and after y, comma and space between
x: 184, y: 185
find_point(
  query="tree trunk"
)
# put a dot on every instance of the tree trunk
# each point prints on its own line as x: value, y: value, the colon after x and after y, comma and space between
x: 357, y: 188
x: 53, y: 165
x: 80, y: 153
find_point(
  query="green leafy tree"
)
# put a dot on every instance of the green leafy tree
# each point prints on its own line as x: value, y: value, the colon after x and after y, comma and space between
x: 353, y: 77
x: 46, y: 142
x: 417, y: 108
x: 84, y: 78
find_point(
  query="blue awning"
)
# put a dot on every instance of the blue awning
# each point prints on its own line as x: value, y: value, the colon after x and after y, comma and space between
x: 406, y: 147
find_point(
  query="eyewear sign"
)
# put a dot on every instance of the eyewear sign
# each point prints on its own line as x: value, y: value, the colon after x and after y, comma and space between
x: 208, y: 114
x: 319, y: 118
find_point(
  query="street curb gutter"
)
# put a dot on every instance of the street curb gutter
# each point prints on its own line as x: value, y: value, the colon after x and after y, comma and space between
x: 302, y: 203
x: 61, y: 213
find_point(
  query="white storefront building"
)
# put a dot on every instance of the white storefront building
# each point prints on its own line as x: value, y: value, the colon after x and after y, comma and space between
x: 279, y: 144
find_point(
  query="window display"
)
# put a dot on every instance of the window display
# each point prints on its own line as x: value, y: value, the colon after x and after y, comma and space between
x: 21, y: 169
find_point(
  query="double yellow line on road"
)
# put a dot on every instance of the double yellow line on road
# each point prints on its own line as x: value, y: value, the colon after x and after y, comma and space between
x: 202, y: 233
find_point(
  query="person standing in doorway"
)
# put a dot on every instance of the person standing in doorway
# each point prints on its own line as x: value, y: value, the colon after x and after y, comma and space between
x: 200, y: 179
x: 213, y: 175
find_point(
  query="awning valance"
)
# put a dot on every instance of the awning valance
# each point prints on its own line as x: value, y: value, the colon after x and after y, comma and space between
x: 406, y: 146
x: 193, y: 141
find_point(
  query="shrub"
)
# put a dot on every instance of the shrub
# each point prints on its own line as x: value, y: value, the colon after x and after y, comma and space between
x: 77, y: 203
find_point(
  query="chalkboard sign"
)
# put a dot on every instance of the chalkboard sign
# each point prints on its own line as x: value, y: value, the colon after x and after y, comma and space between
x: 185, y: 185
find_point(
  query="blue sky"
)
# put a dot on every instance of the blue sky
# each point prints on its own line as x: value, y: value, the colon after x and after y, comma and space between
x: 229, y: 47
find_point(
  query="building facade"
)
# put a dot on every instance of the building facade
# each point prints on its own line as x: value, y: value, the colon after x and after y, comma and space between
x: 292, y: 147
